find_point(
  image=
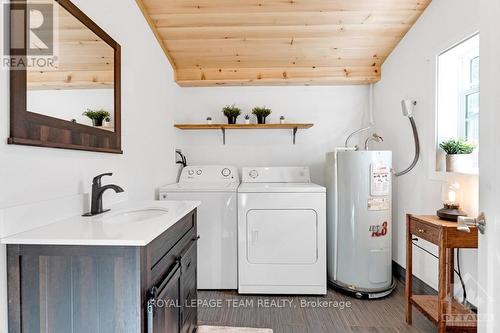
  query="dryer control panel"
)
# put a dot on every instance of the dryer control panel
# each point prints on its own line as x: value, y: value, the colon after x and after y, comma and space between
x: 276, y: 175
x: 209, y: 174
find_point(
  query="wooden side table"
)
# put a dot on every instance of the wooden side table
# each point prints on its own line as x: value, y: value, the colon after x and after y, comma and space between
x: 443, y: 310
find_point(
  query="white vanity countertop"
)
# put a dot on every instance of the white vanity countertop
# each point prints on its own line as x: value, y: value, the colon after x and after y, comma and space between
x: 101, y: 230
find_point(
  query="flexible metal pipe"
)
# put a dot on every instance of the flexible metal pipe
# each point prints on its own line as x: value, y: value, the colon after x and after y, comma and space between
x: 417, y: 149
x: 346, y: 144
x: 375, y: 137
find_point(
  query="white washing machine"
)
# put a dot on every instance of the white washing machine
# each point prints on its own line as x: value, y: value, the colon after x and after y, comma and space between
x: 215, y: 187
x: 281, y: 232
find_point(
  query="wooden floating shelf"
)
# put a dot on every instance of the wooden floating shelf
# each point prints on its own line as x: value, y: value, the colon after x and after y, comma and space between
x: 241, y: 126
x: 224, y: 127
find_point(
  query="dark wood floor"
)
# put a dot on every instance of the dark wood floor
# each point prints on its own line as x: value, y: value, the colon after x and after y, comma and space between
x: 375, y: 316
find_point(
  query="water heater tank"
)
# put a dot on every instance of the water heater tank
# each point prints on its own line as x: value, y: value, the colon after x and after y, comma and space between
x: 359, y: 222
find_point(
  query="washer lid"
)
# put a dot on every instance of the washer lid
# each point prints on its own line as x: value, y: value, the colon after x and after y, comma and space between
x: 280, y: 188
x: 201, y: 187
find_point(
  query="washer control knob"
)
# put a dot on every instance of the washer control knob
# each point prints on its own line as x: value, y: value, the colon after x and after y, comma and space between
x: 191, y: 172
x: 226, y: 172
x: 253, y: 174
x: 198, y: 172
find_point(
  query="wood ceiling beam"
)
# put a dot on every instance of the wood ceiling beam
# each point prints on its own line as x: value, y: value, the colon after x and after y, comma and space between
x: 223, y: 19
x: 288, y: 31
x: 312, y: 53
x: 70, y: 80
x: 270, y: 6
x: 263, y: 62
x: 263, y: 76
x: 276, y: 45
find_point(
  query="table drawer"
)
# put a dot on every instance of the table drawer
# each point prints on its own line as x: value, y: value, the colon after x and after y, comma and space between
x: 425, y: 231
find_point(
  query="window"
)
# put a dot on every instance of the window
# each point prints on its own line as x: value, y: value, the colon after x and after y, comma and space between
x: 471, y: 117
x: 458, y: 94
x: 469, y: 94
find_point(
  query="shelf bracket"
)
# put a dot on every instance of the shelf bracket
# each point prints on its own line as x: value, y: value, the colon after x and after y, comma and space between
x: 294, y: 134
x: 223, y: 135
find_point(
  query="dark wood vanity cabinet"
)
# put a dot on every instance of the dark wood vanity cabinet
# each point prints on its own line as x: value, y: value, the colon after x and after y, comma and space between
x: 171, y: 305
x: 59, y: 288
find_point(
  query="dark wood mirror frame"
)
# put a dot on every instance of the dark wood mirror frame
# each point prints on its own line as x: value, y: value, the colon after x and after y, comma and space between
x: 33, y: 129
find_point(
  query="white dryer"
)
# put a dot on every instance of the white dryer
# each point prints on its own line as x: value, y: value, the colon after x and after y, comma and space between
x: 215, y: 187
x: 281, y: 232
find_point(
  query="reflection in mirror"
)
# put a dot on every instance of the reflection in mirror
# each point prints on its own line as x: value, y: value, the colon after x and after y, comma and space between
x: 80, y: 85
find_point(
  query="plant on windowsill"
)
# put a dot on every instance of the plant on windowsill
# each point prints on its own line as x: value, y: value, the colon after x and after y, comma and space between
x: 458, y: 155
x: 247, y: 119
x: 261, y: 113
x: 97, y: 116
x: 231, y: 112
x: 107, y: 122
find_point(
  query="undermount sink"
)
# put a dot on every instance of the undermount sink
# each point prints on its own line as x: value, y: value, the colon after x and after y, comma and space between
x: 136, y: 215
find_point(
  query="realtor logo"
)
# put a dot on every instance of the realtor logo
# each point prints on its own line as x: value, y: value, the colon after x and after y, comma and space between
x: 29, y: 35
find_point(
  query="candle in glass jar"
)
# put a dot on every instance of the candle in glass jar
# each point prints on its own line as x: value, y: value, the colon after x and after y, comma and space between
x: 452, y: 196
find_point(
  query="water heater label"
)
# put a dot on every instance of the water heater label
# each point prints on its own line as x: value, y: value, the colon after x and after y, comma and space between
x: 380, y: 179
x: 379, y: 230
x: 380, y: 203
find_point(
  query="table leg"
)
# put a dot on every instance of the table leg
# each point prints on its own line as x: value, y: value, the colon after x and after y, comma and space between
x: 442, y: 289
x: 409, y: 271
x: 450, y: 279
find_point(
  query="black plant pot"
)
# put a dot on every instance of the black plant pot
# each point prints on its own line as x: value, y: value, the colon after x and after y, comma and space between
x: 97, y: 122
x: 231, y: 119
x: 261, y: 119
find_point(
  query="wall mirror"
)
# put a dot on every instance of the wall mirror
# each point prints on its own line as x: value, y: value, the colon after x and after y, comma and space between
x: 64, y: 77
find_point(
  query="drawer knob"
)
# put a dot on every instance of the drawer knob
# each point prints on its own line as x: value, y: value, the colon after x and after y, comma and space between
x: 421, y: 231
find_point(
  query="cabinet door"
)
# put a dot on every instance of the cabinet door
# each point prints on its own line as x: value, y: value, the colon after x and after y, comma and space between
x: 189, y: 287
x: 95, y: 286
x: 164, y: 306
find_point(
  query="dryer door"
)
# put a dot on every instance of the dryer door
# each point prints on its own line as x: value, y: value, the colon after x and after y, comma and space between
x: 281, y: 243
x: 282, y: 236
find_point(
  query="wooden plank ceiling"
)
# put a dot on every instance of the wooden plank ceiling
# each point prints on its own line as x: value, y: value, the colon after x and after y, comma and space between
x: 274, y: 42
x: 85, y: 61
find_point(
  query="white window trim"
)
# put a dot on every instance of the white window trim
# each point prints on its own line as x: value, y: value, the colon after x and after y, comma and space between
x: 433, y: 147
x: 465, y: 90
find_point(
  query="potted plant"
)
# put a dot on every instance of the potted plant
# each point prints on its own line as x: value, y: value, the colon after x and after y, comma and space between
x: 209, y: 120
x: 247, y: 119
x: 107, y: 122
x: 97, y: 116
x: 282, y: 119
x: 261, y: 113
x: 457, y: 155
x: 231, y: 112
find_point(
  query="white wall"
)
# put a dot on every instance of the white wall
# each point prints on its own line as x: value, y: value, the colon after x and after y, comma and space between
x: 410, y: 72
x: 31, y: 174
x: 149, y: 96
x: 335, y: 112
x: 71, y: 103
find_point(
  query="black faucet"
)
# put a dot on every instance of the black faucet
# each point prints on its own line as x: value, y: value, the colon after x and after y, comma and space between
x: 97, y: 192
x: 183, y: 160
